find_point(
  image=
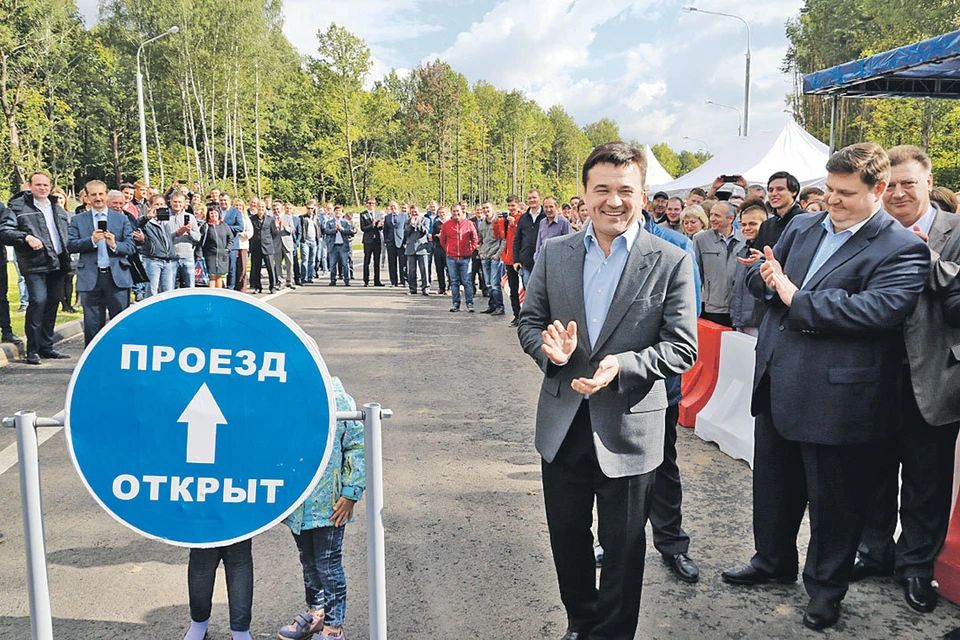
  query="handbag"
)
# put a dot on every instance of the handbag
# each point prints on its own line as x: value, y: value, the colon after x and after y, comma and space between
x: 137, y: 271
x: 201, y: 277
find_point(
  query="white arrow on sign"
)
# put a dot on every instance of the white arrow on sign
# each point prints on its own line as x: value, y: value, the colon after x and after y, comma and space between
x: 202, y: 416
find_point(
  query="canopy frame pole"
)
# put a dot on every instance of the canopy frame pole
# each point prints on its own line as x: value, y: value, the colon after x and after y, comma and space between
x: 834, y: 106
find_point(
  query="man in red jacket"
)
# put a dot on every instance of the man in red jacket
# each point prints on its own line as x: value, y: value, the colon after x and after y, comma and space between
x: 458, y: 237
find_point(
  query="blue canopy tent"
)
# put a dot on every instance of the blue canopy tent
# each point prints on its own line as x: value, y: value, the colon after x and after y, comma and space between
x: 927, y: 69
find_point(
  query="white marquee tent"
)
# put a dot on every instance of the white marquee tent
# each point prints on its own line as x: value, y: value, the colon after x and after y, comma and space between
x: 656, y: 174
x: 756, y: 158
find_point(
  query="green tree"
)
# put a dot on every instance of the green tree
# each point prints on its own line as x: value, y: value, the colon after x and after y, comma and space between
x: 602, y: 131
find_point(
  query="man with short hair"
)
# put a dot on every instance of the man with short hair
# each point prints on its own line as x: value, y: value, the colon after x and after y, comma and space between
x: 141, y: 196
x: 458, y: 236
x: 553, y: 225
x: 839, y: 286
x: 756, y: 191
x: 783, y: 190
x: 431, y: 218
x: 658, y: 206
x: 393, y: 225
x: 490, y: 250
x: 371, y: 225
x: 921, y: 453
x: 672, y: 215
x: 337, y: 231
x: 604, y: 351
x: 289, y: 239
x: 311, y: 234
x: 185, y: 242
x: 104, y: 238
x: 36, y: 227
x: 809, y: 195
x: 234, y: 219
x: 525, y: 237
x: 717, y: 250
x: 439, y: 257
x: 159, y: 256
x: 264, y: 244
x: 696, y: 196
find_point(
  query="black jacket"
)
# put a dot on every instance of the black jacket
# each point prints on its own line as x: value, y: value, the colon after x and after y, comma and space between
x: 525, y: 240
x: 772, y: 228
x: 22, y: 218
x: 371, y: 234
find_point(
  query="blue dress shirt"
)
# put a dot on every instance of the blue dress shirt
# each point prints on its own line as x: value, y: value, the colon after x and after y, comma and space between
x: 601, y: 275
x: 103, y: 257
x: 830, y: 244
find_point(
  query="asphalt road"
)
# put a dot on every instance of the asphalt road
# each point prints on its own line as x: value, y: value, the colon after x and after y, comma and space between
x: 467, y: 548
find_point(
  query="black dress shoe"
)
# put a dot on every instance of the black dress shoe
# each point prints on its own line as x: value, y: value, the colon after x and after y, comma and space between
x: 379, y: 284
x: 821, y: 613
x: 53, y: 354
x: 863, y: 569
x: 515, y: 322
x: 749, y: 574
x: 683, y: 567
x: 33, y: 358
x: 488, y: 310
x: 573, y: 635
x: 919, y: 594
x: 497, y: 312
x: 9, y: 337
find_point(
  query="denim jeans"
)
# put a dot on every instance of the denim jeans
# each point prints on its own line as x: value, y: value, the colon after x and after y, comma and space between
x: 232, y: 269
x: 340, y: 255
x: 308, y: 270
x: 324, y: 581
x: 46, y: 292
x: 460, y: 274
x: 525, y: 274
x: 202, y: 573
x: 415, y: 263
x: 186, y: 272
x: 162, y: 275
x: 492, y: 273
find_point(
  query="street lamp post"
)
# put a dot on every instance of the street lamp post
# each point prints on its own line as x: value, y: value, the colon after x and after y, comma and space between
x: 740, y: 127
x: 746, y: 86
x: 143, y: 117
x: 703, y: 142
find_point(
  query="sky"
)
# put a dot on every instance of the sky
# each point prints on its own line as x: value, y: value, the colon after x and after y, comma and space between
x: 644, y: 63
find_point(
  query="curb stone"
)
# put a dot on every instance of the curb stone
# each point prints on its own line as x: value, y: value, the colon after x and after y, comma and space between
x: 11, y: 353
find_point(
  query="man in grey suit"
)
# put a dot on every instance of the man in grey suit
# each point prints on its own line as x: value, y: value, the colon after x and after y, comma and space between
x: 925, y: 438
x: 104, y: 239
x: 609, y: 313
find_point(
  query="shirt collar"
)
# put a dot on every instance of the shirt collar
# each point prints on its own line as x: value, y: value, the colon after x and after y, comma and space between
x: 828, y: 224
x: 99, y: 213
x: 926, y: 220
x: 628, y: 237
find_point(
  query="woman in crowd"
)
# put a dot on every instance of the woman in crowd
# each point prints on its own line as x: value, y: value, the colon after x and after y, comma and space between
x: 944, y: 198
x: 243, y: 246
x: 693, y: 220
x: 217, y: 242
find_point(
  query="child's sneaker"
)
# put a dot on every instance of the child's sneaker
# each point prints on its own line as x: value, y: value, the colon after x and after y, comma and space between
x: 304, y: 626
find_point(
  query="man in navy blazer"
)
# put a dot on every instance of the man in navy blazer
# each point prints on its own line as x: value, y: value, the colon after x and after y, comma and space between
x: 838, y: 288
x: 103, y: 274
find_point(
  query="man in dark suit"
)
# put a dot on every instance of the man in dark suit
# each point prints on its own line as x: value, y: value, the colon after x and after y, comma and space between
x: 525, y: 237
x: 838, y: 287
x: 36, y: 227
x: 264, y: 245
x: 371, y: 224
x: 610, y: 312
x: 929, y: 419
x: 103, y: 238
x: 393, y: 225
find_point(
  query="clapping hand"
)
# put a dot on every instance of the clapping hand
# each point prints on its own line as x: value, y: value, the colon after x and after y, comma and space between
x: 606, y: 373
x: 774, y: 277
x: 560, y: 342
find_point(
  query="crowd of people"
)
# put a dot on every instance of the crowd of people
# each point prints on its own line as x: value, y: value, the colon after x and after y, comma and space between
x: 851, y: 289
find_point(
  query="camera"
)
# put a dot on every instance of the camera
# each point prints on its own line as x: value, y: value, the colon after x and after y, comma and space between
x: 102, y: 225
x: 730, y: 178
x: 163, y: 214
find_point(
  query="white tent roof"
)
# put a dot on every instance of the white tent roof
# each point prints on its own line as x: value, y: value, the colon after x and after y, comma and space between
x: 756, y: 158
x: 656, y: 174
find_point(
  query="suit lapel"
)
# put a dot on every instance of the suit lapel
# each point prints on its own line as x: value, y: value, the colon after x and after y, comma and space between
x: 800, y: 258
x: 939, y: 232
x: 850, y: 248
x: 635, y: 273
x: 572, y: 270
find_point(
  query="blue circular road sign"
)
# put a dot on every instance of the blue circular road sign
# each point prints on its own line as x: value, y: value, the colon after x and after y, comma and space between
x: 200, y: 418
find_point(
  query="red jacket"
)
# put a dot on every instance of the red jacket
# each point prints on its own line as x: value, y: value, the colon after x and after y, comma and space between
x: 507, y: 256
x: 459, y: 238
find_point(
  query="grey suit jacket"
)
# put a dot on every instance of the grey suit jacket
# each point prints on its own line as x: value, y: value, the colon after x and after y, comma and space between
x: 933, y: 346
x: 651, y: 327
